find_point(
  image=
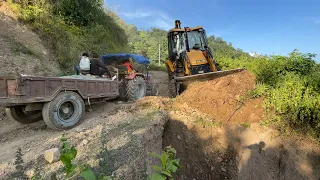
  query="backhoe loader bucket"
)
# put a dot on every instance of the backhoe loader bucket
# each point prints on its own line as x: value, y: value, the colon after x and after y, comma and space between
x: 206, y: 76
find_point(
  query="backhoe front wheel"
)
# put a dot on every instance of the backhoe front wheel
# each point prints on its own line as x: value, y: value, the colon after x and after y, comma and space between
x: 136, y: 89
x: 19, y: 114
x: 64, y: 112
x: 172, y: 89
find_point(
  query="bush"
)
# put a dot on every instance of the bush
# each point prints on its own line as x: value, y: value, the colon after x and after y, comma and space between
x: 290, y: 86
x: 297, y: 104
x: 156, y: 67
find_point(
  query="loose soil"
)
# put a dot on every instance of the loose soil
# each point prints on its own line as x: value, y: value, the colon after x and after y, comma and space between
x: 224, y: 98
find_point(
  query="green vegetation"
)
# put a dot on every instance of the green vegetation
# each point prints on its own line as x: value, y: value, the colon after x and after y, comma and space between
x: 169, y: 164
x: 206, y: 123
x: 246, y: 125
x: 146, y: 42
x: 71, y: 27
x: 290, y: 86
x: 68, y: 154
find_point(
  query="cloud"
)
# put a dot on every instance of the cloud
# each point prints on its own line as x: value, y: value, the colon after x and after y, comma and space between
x: 154, y: 18
x: 254, y: 54
x: 136, y: 14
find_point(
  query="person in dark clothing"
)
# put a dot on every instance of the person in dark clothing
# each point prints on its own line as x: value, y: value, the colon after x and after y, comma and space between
x: 95, y: 66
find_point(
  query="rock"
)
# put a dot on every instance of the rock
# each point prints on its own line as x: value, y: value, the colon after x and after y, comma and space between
x: 120, y: 102
x: 219, y: 159
x: 212, y: 168
x: 223, y: 169
x: 52, y: 155
x: 30, y: 173
x: 179, y: 137
x: 85, y: 142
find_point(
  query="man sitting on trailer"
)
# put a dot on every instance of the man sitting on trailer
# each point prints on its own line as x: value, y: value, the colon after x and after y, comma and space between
x: 84, y: 64
x: 95, y: 66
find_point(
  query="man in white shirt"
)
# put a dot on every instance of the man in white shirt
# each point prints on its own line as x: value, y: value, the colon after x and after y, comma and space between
x: 85, y: 64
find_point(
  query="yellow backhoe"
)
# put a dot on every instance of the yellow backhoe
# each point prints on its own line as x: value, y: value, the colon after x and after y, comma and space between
x: 190, y: 59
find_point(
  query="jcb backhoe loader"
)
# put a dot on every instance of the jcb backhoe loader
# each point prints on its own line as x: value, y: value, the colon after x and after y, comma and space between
x: 190, y: 58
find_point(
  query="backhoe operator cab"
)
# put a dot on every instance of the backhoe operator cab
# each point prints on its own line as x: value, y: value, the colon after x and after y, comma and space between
x: 189, y: 54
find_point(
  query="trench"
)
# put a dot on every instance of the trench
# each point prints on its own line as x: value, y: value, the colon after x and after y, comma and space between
x: 198, y: 153
x: 214, y: 153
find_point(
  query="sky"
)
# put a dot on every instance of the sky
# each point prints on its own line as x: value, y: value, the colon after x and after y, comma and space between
x: 264, y: 26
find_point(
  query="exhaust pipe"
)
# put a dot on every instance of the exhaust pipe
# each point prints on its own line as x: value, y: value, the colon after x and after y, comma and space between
x: 177, y: 24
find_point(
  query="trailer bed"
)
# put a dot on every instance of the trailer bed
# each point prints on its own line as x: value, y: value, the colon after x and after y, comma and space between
x: 33, y: 89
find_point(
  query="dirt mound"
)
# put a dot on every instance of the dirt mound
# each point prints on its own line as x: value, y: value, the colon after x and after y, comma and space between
x: 223, y: 98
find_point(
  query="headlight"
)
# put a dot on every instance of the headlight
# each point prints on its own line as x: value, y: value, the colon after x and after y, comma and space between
x: 201, y: 61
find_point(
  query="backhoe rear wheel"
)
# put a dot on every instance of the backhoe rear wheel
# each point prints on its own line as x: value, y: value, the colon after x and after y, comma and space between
x: 136, y: 89
x: 64, y: 112
x: 18, y: 113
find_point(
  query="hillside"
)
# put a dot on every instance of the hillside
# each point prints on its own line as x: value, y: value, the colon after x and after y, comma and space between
x: 261, y: 123
x: 22, y: 50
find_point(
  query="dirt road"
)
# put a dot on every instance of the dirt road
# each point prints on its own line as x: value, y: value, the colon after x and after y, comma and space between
x: 14, y: 134
x: 210, y: 147
x: 35, y: 138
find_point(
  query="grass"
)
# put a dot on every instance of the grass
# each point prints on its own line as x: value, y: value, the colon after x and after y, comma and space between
x: 246, y: 125
x: 18, y: 47
x: 205, y: 123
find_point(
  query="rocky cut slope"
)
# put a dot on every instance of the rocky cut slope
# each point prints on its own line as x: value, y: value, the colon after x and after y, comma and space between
x: 21, y: 49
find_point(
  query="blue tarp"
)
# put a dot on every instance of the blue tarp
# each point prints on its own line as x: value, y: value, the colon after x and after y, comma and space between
x: 108, y: 58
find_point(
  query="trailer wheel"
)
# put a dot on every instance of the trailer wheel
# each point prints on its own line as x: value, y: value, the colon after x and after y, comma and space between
x: 64, y: 112
x: 18, y: 113
x: 136, y: 89
x: 172, y: 89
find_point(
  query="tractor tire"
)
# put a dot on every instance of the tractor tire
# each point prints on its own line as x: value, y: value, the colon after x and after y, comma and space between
x: 122, y: 91
x: 17, y: 113
x: 136, y: 89
x: 172, y: 89
x: 64, y: 112
x: 155, y: 89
